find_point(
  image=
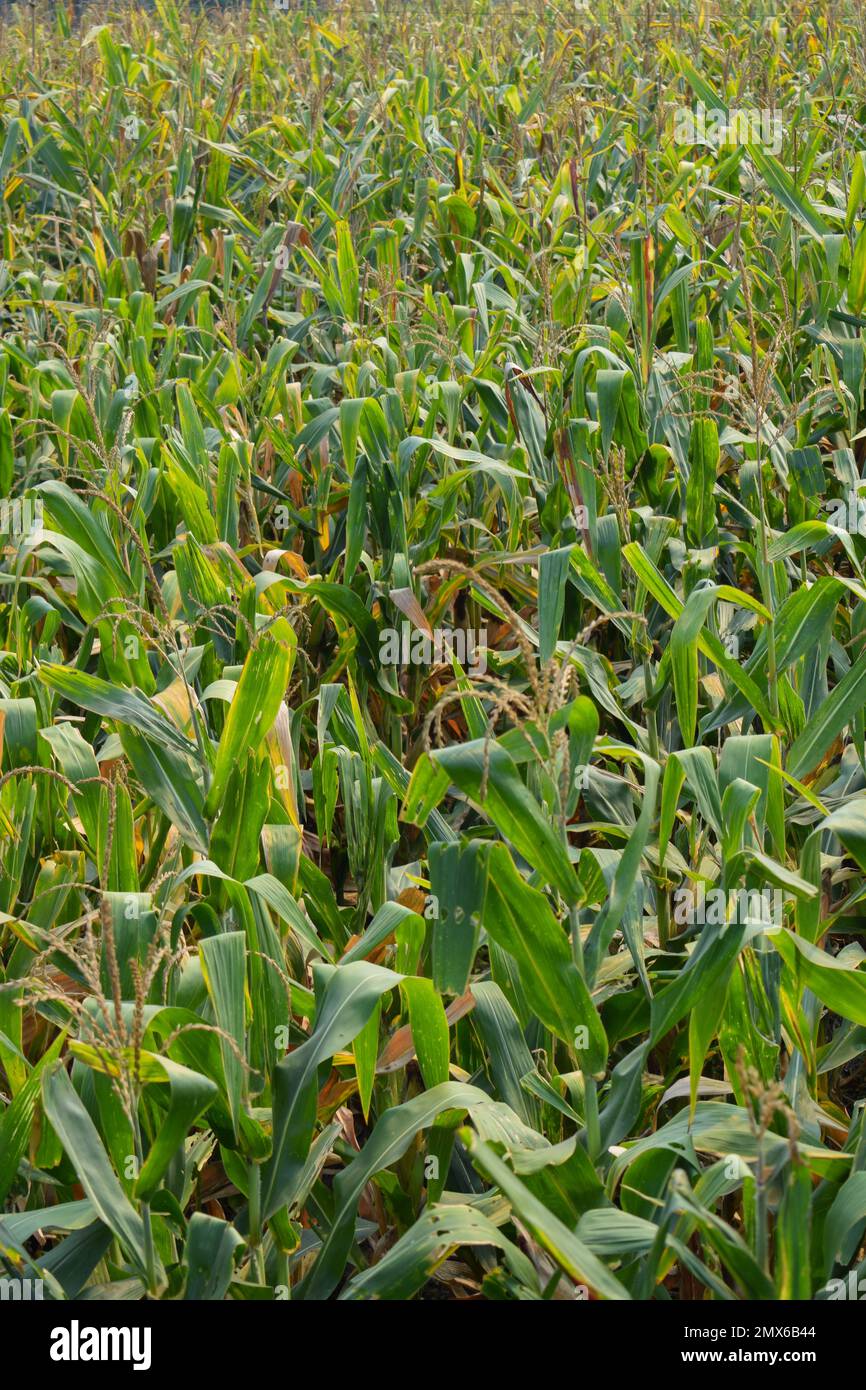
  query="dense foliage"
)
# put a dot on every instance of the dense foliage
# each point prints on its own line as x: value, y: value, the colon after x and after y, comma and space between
x: 433, y: 650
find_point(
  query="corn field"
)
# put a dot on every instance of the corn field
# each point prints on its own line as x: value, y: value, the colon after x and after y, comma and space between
x: 433, y: 651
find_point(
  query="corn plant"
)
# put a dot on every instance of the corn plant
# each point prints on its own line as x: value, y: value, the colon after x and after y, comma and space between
x: 433, y: 651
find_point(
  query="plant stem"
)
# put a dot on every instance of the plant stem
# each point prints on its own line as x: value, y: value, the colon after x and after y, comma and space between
x: 149, y: 1252
x: 576, y: 940
x: 255, y: 1215
x: 663, y: 915
x: 593, y: 1129
x: 761, y: 1245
